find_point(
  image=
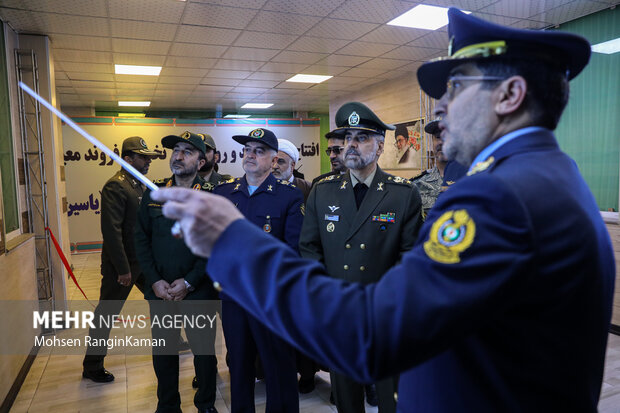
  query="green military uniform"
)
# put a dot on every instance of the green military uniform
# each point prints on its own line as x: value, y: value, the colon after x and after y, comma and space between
x: 217, y: 178
x: 120, y: 198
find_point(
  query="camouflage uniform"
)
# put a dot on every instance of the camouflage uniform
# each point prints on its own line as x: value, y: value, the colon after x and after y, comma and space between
x: 429, y: 184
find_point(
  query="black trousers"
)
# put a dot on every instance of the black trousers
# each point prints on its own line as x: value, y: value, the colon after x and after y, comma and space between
x: 112, y: 291
x: 166, y: 366
x: 349, y: 395
x: 245, y: 338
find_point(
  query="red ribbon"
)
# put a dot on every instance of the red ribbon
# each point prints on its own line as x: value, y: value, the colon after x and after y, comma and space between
x: 64, y: 261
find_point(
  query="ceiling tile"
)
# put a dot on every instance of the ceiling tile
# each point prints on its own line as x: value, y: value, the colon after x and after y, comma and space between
x: 249, y: 90
x: 242, y: 96
x: 393, y: 35
x: 285, y: 23
x: 244, y: 65
x: 298, y: 57
x: 267, y: 84
x: 269, y: 76
x: 177, y: 87
x: 185, y: 72
x: 219, y: 81
x: 291, y: 85
x: 196, y: 50
x: 138, y: 59
x: 65, y: 55
x: 317, y: 44
x: 184, y: 61
x: 63, y: 82
x: 385, y: 64
x: 470, y: 5
x: 212, y: 89
x: 184, y: 80
x: 135, y: 86
x: 160, y: 11
x: 341, y: 29
x: 494, y: 18
x: 530, y: 24
x: 265, y: 40
x: 218, y: 16
x: 249, y: 53
x: 355, y: 71
x: 206, y: 35
x: 94, y: 8
x: 311, y: 8
x: 283, y: 67
x: 140, y: 46
x: 229, y: 74
x: 326, y: 69
x: 343, y: 60
x: 136, y: 79
x: 375, y: 11
x: 249, y: 4
x: 366, y: 49
x: 108, y: 77
x: 411, y: 53
x: 86, y: 67
x: 570, y: 11
x: 143, y: 30
x: 91, y: 83
x: 63, y: 41
x: 522, y: 9
x: 437, y: 40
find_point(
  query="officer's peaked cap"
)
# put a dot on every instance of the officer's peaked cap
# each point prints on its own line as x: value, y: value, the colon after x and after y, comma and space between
x: 356, y: 115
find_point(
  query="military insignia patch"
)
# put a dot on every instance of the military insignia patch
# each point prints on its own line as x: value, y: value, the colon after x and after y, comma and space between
x: 354, y: 119
x: 270, y: 188
x: 450, y: 235
x: 142, y: 143
x: 186, y: 135
x: 267, y: 228
x: 387, y: 217
x: 344, y: 185
x: 208, y: 186
x: 331, y: 227
x: 169, y: 184
x: 380, y: 186
x: 236, y: 187
x: 257, y: 133
x: 302, y: 208
x: 197, y: 186
x: 481, y: 166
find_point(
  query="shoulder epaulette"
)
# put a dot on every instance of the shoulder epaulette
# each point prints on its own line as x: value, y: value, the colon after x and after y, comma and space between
x: 331, y: 178
x: 161, y: 182
x: 208, y: 186
x: 399, y: 180
x: 286, y: 183
x: 228, y: 181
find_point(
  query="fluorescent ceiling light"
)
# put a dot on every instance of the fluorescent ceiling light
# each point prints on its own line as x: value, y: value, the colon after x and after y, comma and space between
x: 257, y: 105
x: 423, y: 17
x: 309, y: 78
x: 237, y: 116
x: 131, y: 115
x: 608, y: 47
x: 133, y: 103
x: 137, y: 70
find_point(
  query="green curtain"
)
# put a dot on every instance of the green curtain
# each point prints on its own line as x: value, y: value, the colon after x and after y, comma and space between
x: 7, y: 165
x: 589, y: 130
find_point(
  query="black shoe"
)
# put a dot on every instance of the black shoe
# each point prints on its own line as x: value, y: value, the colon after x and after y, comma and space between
x: 98, y: 376
x: 306, y: 385
x: 208, y: 410
x: 195, y: 382
x: 371, y: 395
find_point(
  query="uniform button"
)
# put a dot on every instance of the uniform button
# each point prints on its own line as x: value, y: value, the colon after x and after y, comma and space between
x: 217, y: 286
x: 363, y: 246
x: 346, y: 267
x: 268, y: 217
x: 347, y: 246
x: 396, y: 397
x: 362, y: 268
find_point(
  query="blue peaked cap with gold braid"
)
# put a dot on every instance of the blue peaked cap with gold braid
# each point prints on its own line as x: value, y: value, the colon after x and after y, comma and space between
x: 474, y: 39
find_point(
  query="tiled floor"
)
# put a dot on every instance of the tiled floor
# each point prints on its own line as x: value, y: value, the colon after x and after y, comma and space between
x: 54, y: 383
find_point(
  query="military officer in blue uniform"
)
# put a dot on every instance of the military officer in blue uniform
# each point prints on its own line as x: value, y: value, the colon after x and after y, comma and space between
x: 504, y: 303
x: 276, y: 207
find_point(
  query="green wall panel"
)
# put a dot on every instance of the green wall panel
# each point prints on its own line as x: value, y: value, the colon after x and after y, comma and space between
x: 589, y: 130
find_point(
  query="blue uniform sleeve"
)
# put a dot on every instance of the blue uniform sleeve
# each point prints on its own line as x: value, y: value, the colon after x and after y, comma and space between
x: 468, y: 267
x: 294, y: 219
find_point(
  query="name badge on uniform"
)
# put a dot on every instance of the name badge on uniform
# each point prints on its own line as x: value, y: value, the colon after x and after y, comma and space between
x: 329, y: 217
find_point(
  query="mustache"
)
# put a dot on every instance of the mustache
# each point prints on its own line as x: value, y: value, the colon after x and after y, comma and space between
x: 351, y: 151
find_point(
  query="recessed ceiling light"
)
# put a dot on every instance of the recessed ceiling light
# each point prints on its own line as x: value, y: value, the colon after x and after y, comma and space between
x: 133, y: 103
x: 131, y: 115
x: 257, y: 105
x: 237, y: 116
x: 137, y: 70
x: 309, y: 78
x: 423, y: 17
x: 608, y: 47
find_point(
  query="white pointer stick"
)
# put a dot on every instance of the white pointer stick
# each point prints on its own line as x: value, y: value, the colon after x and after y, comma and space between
x: 176, y: 228
x: 133, y: 171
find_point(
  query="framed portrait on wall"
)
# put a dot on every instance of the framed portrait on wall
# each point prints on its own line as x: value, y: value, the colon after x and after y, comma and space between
x: 403, y: 147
